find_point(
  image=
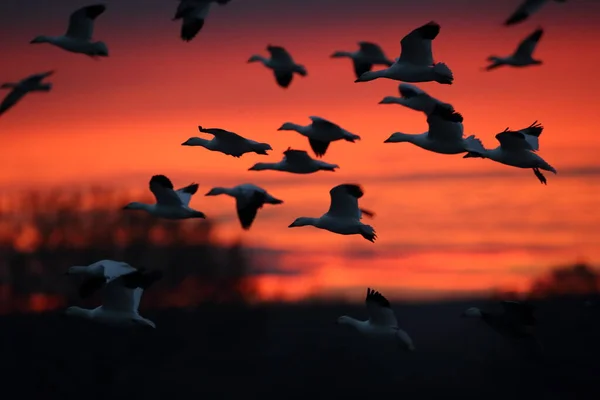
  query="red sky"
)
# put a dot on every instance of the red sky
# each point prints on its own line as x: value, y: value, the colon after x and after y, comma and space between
x: 117, y: 121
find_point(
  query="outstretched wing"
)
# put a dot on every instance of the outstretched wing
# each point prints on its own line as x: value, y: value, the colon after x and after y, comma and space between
x: 283, y: 77
x: 185, y: 193
x: 37, y: 78
x: 344, y: 201
x: 247, y: 207
x: 360, y: 67
x: 296, y: 156
x: 163, y: 191
x: 521, y: 313
x: 532, y: 134
x: 527, y: 46
x: 323, y: 124
x: 81, y: 22
x: 371, y: 49
x: 513, y: 140
x: 280, y: 55
x: 379, y: 309
x: 445, y: 124
x: 527, y: 8
x: 416, y: 46
x: 221, y: 134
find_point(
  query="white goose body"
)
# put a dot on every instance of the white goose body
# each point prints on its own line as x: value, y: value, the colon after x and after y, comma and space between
x: 320, y: 133
x: 229, y: 143
x: 522, y: 57
x: 415, y: 63
x: 296, y: 162
x: 445, y: 135
x: 363, y: 60
x: 414, y: 98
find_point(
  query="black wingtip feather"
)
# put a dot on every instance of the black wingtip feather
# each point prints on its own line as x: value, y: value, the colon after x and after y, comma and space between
x: 162, y: 181
x: 141, y: 278
x: 90, y: 286
x: 516, y: 18
x: 95, y: 10
x: 377, y: 298
x: 354, y: 190
x: 318, y: 147
x: 407, y: 92
x: 447, y: 113
x: 191, y: 189
x: 429, y: 31
x: 190, y: 30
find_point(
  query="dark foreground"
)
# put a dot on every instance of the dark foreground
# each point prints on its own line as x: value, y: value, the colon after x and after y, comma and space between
x: 297, y: 352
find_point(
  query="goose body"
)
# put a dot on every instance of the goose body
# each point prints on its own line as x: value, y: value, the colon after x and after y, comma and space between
x: 320, y: 133
x: 526, y: 9
x: 32, y: 83
x: 382, y: 322
x: 170, y: 203
x: 78, y: 38
x: 363, y: 59
x: 295, y: 162
x: 193, y: 14
x: 522, y: 57
x: 517, y: 149
x: 414, y: 98
x: 415, y: 63
x: 344, y: 216
x: 283, y: 65
x: 228, y: 143
x: 445, y: 134
x: 249, y: 199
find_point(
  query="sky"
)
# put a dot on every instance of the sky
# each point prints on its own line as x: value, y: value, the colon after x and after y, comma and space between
x: 446, y: 226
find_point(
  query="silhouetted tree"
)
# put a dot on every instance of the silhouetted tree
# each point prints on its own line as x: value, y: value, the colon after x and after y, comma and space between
x: 578, y: 279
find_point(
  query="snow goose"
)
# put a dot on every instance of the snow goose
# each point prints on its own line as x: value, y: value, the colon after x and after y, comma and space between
x: 102, y: 272
x: 32, y: 83
x: 415, y: 63
x: 517, y: 149
x: 526, y: 9
x: 414, y: 98
x: 193, y: 13
x: 445, y: 134
x: 320, y: 132
x: 296, y: 162
x: 382, y: 322
x: 170, y: 203
x: 343, y: 216
x: 249, y: 199
x: 522, y: 57
x: 227, y: 142
x: 282, y: 64
x: 365, y: 57
x: 515, y: 321
x: 120, y: 300
x: 78, y: 38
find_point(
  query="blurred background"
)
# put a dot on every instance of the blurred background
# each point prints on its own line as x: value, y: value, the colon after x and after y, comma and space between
x: 260, y: 305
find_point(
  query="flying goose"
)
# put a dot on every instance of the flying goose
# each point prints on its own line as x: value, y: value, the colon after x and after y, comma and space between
x: 296, y: 162
x: 445, y: 134
x: 415, y: 63
x: 343, y: 216
x: 365, y: 57
x: 229, y: 143
x: 320, y: 133
x: 414, y: 98
x: 78, y: 38
x: 249, y: 199
x: 382, y: 322
x: 526, y: 9
x: 32, y: 83
x: 282, y: 64
x: 103, y: 272
x: 120, y: 301
x: 517, y: 149
x: 170, y: 203
x: 193, y: 13
x: 522, y: 57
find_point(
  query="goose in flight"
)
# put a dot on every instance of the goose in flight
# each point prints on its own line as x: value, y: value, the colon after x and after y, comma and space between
x: 382, y: 322
x: 120, y: 300
x: 229, y: 143
x: 296, y: 162
x: 515, y: 321
x: 170, y: 203
x: 344, y: 215
x: 415, y: 63
x: 365, y: 57
x: 32, y: 83
x: 320, y: 133
x: 193, y: 13
x: 249, y: 199
x: 282, y: 64
x: 526, y: 9
x: 445, y: 134
x: 522, y: 57
x: 103, y: 272
x: 517, y: 149
x: 78, y: 38
x: 415, y: 98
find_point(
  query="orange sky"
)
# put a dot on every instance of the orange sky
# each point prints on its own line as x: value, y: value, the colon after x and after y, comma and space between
x: 119, y: 120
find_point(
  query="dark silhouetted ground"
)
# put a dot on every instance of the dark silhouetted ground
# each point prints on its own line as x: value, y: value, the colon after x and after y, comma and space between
x: 298, y: 352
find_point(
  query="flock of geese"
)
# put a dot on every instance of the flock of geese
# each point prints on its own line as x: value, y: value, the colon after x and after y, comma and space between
x: 123, y: 284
